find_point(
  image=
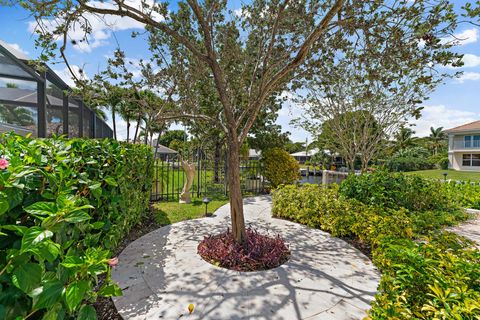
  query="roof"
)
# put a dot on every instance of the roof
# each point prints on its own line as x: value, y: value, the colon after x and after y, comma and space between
x: 472, y: 126
x: 28, y: 96
x: 252, y: 153
x: 304, y: 153
x: 161, y: 149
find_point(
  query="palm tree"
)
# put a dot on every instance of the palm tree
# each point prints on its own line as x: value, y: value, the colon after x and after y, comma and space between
x: 437, y: 138
x: 404, y: 138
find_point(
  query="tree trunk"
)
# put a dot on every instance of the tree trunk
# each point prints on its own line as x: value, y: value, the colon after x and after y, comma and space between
x: 136, y: 130
x: 235, y: 192
x: 114, y: 123
x: 128, y: 130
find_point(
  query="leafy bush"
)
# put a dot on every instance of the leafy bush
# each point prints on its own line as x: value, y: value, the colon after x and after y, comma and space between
x: 259, y: 253
x: 396, y: 190
x: 280, y: 167
x: 409, y: 159
x: 438, y: 278
x: 465, y: 194
x: 439, y: 161
x: 63, y: 205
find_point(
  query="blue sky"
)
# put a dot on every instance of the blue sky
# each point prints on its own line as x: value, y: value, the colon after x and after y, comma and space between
x: 454, y: 103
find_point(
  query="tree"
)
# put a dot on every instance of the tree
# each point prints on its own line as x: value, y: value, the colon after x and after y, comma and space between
x: 171, y: 135
x: 351, y: 135
x: 248, y: 58
x: 268, y: 137
x: 438, y: 138
x: 404, y: 138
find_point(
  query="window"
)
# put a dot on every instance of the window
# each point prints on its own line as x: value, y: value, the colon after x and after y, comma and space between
x: 475, y: 160
x: 472, y: 141
x: 468, y: 143
x: 471, y: 160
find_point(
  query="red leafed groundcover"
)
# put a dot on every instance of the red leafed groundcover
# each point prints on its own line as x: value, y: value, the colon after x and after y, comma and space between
x: 260, y: 252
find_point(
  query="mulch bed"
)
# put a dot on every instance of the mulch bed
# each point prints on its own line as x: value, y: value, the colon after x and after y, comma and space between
x: 105, y: 308
x: 363, y: 247
x: 259, y: 252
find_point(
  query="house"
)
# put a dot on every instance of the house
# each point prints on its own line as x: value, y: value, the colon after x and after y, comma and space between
x: 41, y: 103
x: 254, y: 154
x: 164, y: 153
x: 304, y: 156
x: 464, y: 147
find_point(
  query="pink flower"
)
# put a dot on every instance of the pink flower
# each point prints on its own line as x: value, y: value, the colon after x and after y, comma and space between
x: 3, y: 164
x: 112, y: 262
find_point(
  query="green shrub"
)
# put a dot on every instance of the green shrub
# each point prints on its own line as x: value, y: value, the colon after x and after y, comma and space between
x: 396, y: 190
x: 410, y: 159
x: 323, y: 208
x: 438, y: 278
x: 439, y: 161
x: 465, y: 194
x: 64, y: 204
x: 280, y: 167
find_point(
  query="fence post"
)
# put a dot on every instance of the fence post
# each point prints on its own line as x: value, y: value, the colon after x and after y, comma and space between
x: 325, y: 177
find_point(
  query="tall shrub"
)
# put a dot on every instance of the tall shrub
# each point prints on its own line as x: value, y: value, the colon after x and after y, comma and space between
x: 280, y: 167
x: 63, y: 205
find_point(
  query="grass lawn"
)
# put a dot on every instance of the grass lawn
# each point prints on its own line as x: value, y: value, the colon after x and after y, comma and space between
x: 452, y: 174
x: 172, y: 211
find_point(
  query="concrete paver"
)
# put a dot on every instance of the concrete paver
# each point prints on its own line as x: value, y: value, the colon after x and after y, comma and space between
x: 325, y: 278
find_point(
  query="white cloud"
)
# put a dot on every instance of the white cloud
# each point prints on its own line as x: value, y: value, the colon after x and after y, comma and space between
x: 471, y: 60
x: 441, y: 116
x: 17, y: 47
x: 102, y: 26
x: 462, y: 38
x: 468, y: 76
x: 67, y: 77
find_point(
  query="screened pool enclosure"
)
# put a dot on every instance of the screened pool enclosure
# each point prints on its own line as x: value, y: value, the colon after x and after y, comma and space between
x: 39, y: 103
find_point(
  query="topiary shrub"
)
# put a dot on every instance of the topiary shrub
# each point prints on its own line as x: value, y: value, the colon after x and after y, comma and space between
x: 64, y: 204
x: 280, y: 167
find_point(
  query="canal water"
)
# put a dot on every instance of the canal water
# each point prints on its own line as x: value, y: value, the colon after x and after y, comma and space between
x: 311, y: 179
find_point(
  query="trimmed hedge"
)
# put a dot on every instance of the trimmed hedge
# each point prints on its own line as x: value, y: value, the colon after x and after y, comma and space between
x: 426, y: 273
x: 64, y: 204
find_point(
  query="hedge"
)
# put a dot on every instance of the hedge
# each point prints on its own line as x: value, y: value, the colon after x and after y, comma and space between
x: 64, y: 205
x: 426, y: 273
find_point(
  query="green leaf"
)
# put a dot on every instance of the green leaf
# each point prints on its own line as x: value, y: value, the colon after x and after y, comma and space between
x: 98, y: 225
x: 111, y: 181
x: 14, y: 197
x: 3, y: 205
x: 72, y: 262
x: 75, y: 293
x: 16, y: 228
x: 33, y: 236
x: 48, y: 250
x: 27, y: 276
x: 110, y: 290
x: 87, y: 312
x: 77, y: 216
x: 55, y: 313
x: 42, y: 208
x: 52, y: 292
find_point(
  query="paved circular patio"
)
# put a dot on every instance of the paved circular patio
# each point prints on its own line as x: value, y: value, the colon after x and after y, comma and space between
x: 161, y: 274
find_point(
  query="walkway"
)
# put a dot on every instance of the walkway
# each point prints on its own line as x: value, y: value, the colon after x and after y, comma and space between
x: 161, y: 274
x: 470, y: 229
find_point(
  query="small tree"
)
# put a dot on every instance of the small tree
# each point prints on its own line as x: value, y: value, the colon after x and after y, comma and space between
x: 252, y: 57
x: 280, y: 167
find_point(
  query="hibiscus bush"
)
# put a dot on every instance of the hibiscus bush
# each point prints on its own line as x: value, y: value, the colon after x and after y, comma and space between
x: 64, y: 204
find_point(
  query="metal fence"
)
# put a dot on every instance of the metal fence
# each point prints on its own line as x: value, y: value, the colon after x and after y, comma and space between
x: 211, y: 177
